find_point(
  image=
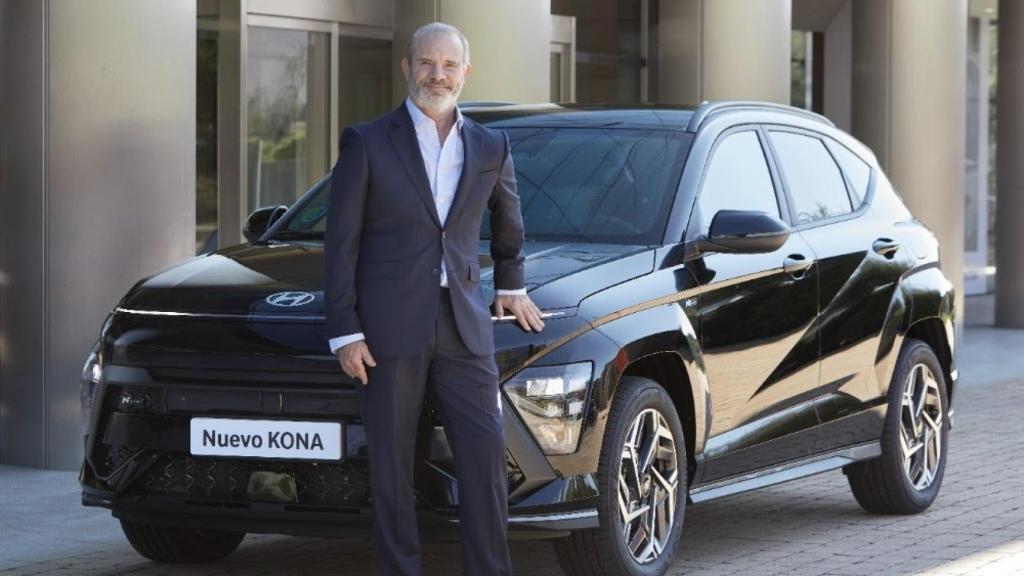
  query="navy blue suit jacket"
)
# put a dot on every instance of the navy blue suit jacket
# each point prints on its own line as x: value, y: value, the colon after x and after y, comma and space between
x: 384, y: 240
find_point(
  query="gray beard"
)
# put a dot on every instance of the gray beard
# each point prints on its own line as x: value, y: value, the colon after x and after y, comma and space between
x: 436, y: 104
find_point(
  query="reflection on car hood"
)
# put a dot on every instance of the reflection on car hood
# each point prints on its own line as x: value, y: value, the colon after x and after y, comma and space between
x: 248, y: 279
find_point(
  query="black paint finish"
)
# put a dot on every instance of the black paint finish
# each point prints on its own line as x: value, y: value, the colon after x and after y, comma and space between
x: 767, y: 367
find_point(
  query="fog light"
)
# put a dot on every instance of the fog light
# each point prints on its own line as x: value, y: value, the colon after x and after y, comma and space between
x: 550, y: 401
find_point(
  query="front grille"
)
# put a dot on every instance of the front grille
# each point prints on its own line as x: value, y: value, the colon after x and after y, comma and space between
x: 342, y: 484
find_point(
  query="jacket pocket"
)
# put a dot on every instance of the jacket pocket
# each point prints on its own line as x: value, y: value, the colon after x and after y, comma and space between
x: 474, y: 271
x: 378, y: 270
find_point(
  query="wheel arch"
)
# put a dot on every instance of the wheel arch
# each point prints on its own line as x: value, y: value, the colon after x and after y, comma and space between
x: 923, y: 308
x: 661, y: 344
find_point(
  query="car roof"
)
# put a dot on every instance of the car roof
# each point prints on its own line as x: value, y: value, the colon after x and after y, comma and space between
x: 646, y: 116
x: 500, y: 115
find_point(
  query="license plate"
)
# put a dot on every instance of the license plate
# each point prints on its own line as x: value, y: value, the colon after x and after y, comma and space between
x: 266, y: 438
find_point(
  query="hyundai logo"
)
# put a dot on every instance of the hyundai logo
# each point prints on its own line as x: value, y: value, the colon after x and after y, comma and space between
x: 290, y: 299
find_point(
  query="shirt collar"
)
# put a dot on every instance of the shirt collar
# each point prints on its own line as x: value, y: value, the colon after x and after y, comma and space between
x: 418, y: 117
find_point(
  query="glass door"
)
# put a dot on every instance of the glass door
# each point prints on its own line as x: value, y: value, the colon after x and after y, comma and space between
x: 288, y: 99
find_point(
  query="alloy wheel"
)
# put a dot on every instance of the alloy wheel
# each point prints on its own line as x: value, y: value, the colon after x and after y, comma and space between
x: 921, y: 427
x: 648, y: 480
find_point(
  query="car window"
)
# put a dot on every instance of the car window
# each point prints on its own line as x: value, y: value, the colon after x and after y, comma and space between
x: 609, y: 185
x: 737, y: 178
x: 857, y: 171
x: 814, y: 181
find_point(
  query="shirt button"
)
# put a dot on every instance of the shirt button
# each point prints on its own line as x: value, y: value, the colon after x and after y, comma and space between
x: 444, y: 233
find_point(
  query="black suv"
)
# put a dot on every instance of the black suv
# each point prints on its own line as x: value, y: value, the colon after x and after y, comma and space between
x: 734, y: 294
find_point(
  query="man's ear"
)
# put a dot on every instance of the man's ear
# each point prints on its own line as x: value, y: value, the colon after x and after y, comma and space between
x: 405, y: 68
x: 469, y: 69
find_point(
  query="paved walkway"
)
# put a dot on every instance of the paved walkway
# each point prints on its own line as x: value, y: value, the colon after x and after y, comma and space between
x: 808, y: 527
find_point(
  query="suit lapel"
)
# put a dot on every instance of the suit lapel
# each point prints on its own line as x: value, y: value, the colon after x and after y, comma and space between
x: 403, y: 139
x: 470, y: 164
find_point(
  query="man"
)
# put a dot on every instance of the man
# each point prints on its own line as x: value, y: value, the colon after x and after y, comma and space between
x: 404, y: 304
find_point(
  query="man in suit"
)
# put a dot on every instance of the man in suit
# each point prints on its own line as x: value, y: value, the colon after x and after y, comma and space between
x: 405, y: 311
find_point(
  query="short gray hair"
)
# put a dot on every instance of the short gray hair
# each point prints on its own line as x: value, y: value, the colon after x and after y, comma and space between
x: 436, y: 28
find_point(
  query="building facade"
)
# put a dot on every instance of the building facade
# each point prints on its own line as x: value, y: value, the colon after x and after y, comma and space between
x: 136, y: 134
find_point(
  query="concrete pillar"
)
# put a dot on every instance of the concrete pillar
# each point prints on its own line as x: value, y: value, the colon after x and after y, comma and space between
x: 909, y: 106
x: 839, y: 66
x: 724, y: 50
x: 504, y: 66
x: 1009, y: 169
x: 97, y: 189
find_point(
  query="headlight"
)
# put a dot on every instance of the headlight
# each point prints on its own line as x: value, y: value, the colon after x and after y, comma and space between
x: 550, y: 400
x: 92, y: 373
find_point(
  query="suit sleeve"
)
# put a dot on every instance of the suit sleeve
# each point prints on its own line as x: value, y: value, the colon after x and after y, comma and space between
x: 349, y: 186
x: 506, y: 227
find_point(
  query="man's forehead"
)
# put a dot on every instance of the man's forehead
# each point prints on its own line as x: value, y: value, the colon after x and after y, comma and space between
x: 438, y: 43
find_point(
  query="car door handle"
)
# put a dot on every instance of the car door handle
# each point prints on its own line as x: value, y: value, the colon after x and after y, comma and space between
x: 796, y: 264
x: 885, y: 246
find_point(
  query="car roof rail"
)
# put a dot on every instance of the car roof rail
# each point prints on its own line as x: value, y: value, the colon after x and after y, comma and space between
x: 706, y: 109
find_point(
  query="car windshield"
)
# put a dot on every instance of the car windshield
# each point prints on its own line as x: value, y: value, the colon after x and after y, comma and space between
x: 608, y: 185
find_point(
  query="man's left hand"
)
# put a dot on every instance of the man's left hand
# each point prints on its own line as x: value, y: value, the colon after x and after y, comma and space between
x: 525, y: 311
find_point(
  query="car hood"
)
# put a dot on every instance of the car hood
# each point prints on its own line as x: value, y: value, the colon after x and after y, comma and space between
x: 249, y: 279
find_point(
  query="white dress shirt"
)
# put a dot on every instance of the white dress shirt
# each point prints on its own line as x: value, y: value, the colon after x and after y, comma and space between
x: 443, y: 163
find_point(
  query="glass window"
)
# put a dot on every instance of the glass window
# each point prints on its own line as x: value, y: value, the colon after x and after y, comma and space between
x: 206, y: 139
x: 737, y: 179
x: 595, y: 185
x: 364, y: 79
x: 609, y: 50
x: 574, y: 184
x: 857, y: 172
x: 288, y: 97
x: 813, y: 179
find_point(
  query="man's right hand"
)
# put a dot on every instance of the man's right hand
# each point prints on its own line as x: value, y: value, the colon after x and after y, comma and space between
x: 354, y: 357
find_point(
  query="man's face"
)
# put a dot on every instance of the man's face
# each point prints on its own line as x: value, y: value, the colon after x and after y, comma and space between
x: 437, y: 73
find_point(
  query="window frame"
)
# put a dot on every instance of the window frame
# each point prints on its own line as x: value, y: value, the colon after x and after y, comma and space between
x: 824, y: 139
x: 695, y: 225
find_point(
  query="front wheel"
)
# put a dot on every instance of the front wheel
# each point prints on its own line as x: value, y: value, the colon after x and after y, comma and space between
x: 905, y: 479
x: 642, y: 477
x: 173, y: 544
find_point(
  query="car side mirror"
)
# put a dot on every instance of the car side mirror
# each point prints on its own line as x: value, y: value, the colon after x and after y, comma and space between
x: 744, y: 232
x: 260, y: 220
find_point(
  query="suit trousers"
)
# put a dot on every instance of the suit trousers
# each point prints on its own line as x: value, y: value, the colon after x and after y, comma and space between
x: 465, y: 392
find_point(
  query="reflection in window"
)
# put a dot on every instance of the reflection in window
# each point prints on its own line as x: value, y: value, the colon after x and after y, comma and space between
x: 857, y: 171
x: 575, y: 185
x: 737, y: 179
x: 206, y: 140
x: 596, y: 185
x: 288, y: 113
x: 812, y: 177
x: 610, y: 55
x: 364, y: 79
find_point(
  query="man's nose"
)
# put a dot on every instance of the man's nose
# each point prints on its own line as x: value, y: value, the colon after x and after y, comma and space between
x: 437, y: 71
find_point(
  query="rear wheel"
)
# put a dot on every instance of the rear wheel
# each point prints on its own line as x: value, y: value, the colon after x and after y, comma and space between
x: 174, y: 544
x: 905, y: 479
x: 643, y: 481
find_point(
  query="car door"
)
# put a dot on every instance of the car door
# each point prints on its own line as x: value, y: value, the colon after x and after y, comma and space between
x: 756, y: 316
x: 859, y: 264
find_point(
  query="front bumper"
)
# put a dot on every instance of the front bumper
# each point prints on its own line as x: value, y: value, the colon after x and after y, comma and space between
x: 138, y: 462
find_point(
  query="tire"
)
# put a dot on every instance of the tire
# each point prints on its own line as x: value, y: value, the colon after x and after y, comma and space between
x: 603, y: 551
x: 894, y: 483
x: 171, y: 544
